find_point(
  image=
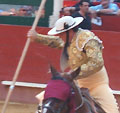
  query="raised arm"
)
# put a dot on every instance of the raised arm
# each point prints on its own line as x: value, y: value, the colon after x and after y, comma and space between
x: 51, y: 41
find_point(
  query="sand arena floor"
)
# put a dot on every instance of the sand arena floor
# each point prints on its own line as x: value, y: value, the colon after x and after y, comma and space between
x: 19, y: 107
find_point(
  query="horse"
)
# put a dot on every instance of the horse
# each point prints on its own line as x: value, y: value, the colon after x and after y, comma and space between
x: 62, y: 95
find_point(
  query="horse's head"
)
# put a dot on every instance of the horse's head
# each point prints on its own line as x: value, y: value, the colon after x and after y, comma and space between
x: 58, y: 96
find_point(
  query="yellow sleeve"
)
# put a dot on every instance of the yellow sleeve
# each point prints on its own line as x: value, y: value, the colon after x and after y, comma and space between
x: 94, y: 60
x: 51, y: 41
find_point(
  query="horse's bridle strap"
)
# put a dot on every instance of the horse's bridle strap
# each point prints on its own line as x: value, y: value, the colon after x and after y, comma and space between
x: 81, y: 102
x: 78, y: 107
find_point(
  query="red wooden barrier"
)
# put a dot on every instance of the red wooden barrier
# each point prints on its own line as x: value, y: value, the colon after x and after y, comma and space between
x: 36, y: 64
x: 109, y: 23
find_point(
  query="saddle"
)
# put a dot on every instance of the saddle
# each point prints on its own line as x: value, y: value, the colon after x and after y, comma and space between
x: 91, y: 101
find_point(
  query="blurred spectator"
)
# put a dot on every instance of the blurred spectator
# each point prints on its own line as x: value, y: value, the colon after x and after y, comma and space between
x: 106, y: 7
x: 21, y: 11
x: 68, y: 11
x: 78, y: 4
x: 1, y: 10
x: 13, y: 10
x: 42, y: 13
x: 84, y: 8
x: 116, y: 0
x: 95, y: 0
x: 118, y: 13
x: 25, y: 11
x: 6, y: 13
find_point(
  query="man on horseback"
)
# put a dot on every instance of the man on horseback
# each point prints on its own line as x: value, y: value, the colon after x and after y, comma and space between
x: 84, y: 51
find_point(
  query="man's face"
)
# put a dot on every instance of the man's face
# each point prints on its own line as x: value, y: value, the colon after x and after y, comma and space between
x: 84, y: 7
x: 105, y: 3
x: 22, y: 12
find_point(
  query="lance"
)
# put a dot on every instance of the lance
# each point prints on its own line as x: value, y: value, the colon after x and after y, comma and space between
x: 23, y: 56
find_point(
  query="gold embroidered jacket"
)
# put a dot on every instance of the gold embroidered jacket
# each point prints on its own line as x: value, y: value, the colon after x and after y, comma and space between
x: 85, y: 51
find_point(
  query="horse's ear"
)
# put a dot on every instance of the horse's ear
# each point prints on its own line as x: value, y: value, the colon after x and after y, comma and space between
x: 53, y: 71
x: 75, y: 73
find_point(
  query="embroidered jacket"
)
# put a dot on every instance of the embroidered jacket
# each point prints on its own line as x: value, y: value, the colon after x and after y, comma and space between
x: 85, y: 51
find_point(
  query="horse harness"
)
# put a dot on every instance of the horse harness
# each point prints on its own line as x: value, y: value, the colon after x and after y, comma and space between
x: 63, y: 104
x: 61, y: 107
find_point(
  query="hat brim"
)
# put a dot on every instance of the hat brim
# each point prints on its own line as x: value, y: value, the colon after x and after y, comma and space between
x: 77, y: 20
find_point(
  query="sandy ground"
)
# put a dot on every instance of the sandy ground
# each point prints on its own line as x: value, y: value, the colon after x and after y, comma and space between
x: 19, y: 108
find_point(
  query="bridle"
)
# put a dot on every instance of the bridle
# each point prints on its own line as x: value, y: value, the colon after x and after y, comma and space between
x: 60, y: 108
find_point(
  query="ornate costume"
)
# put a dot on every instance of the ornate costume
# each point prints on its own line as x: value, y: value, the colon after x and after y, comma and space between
x: 85, y: 51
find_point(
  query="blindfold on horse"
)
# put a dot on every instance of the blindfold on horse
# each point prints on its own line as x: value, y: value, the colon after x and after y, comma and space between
x: 62, y: 95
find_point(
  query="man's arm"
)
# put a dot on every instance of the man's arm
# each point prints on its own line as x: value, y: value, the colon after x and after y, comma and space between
x: 51, y: 41
x: 112, y: 8
x: 105, y: 11
x: 95, y: 60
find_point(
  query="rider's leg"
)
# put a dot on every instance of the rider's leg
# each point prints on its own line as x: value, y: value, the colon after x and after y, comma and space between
x: 98, y: 86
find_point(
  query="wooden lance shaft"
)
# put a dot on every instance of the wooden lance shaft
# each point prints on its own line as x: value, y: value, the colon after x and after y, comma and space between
x: 23, y: 56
